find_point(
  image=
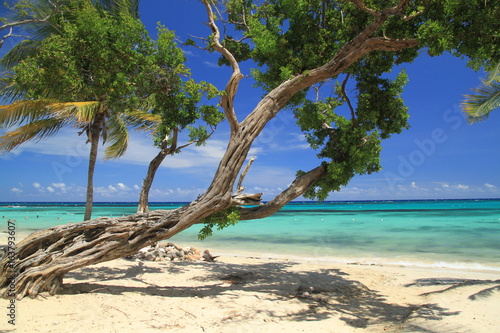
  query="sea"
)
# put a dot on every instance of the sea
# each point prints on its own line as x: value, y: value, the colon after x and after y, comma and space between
x: 462, y: 234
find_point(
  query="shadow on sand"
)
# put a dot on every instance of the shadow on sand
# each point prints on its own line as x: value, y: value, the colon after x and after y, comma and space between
x: 326, y: 293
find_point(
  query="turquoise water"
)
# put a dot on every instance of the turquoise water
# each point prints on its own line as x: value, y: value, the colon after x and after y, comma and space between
x: 455, y: 233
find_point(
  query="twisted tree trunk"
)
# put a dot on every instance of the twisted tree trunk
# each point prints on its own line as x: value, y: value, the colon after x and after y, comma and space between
x: 45, y: 256
x: 42, y: 259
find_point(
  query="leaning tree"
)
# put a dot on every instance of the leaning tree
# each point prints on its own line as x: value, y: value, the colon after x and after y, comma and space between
x: 295, y: 45
x: 175, y: 103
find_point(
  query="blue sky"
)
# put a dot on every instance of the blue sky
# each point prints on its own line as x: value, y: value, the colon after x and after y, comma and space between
x: 440, y: 156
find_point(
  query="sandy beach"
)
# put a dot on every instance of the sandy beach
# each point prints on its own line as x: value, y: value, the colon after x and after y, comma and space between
x: 243, y: 293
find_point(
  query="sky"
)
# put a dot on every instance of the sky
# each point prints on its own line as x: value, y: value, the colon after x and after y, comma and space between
x: 440, y: 157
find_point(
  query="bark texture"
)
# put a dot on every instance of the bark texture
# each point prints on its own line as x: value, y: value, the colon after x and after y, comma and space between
x: 44, y: 257
x: 143, y: 206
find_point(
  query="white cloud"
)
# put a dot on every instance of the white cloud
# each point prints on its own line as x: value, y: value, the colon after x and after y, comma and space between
x: 37, y: 185
x: 141, y: 151
x: 119, y: 190
x: 60, y: 186
x: 50, y: 189
x: 211, y: 64
x: 361, y: 190
x: 188, y: 53
x: 16, y: 190
x: 272, y: 177
x: 490, y: 186
x: 177, y: 194
x: 66, y: 142
x: 277, y: 137
x: 355, y: 192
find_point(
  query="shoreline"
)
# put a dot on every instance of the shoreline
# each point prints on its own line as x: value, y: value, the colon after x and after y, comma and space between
x: 365, y: 260
x: 490, y: 267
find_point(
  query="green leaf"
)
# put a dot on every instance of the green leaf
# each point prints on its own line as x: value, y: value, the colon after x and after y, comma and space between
x: 220, y: 220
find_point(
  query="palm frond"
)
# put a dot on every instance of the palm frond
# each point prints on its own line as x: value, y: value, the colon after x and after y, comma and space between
x: 24, y: 111
x: 494, y: 75
x: 80, y: 112
x: 20, y: 51
x: 142, y: 120
x: 37, y: 130
x: 117, y: 138
x: 9, y: 90
x: 117, y: 7
x: 486, y: 99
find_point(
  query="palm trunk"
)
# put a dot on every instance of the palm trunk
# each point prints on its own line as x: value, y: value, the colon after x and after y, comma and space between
x: 143, y: 206
x: 95, y: 133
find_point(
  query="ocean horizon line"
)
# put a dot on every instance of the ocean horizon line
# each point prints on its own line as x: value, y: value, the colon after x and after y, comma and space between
x: 291, y: 202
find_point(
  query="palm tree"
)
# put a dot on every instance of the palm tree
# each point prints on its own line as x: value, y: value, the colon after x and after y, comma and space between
x: 43, y: 113
x: 167, y: 107
x: 43, y: 118
x: 486, y: 98
x: 42, y: 20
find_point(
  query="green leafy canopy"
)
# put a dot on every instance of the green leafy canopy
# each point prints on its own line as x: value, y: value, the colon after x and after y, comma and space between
x: 110, y: 58
x: 346, y: 118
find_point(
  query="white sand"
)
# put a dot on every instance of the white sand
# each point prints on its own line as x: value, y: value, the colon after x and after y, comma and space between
x: 249, y: 294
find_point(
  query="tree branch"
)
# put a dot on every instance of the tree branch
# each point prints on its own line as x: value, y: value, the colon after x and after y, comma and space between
x: 361, y: 5
x: 10, y: 34
x: 389, y: 44
x: 239, y: 187
x: 346, y: 98
x: 352, y: 51
x: 298, y: 187
x: 175, y: 139
x: 396, y: 10
x: 239, y: 198
x: 227, y: 101
x: 277, y: 99
x: 11, y: 25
